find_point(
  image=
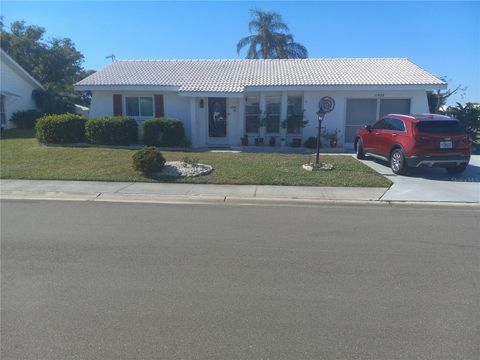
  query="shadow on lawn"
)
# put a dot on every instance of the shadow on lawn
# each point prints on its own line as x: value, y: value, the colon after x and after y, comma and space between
x: 18, y: 134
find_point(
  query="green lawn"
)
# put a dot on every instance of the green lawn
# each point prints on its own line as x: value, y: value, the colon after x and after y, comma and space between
x: 22, y: 157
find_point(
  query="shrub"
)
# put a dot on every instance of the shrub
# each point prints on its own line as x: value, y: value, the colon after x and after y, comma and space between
x: 469, y: 116
x: 148, y: 160
x: 61, y: 129
x: 117, y: 130
x: 25, y: 119
x: 311, y: 143
x: 163, y: 132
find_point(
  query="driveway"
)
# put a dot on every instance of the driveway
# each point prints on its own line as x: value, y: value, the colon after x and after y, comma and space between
x: 434, y: 184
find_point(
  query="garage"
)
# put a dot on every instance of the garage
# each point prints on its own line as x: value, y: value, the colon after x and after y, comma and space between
x: 366, y: 111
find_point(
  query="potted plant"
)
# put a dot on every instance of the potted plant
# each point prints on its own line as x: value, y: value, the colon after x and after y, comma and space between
x: 244, y: 140
x: 272, y: 141
x: 296, y: 142
x: 333, y: 137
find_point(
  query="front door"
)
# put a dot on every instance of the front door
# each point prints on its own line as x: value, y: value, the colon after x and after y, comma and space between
x: 217, y: 121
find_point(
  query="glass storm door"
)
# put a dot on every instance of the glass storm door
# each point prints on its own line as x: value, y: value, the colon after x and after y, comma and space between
x: 217, y: 121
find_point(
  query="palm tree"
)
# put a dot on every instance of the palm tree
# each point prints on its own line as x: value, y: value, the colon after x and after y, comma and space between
x: 272, y: 39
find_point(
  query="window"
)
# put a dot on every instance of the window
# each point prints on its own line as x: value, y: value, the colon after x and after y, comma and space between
x: 380, y: 125
x: 252, y: 112
x: 395, y: 124
x: 294, y: 108
x: 273, y: 114
x: 139, y: 106
x: 441, y: 126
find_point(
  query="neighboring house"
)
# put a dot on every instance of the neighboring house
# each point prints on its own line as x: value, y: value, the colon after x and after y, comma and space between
x: 219, y: 100
x: 16, y: 86
x: 81, y: 110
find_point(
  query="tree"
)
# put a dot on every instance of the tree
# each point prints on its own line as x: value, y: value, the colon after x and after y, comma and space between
x: 55, y: 63
x: 437, y: 99
x: 271, y: 40
x: 469, y: 116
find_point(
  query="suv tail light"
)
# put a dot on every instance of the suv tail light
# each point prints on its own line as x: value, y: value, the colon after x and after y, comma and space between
x: 418, y: 137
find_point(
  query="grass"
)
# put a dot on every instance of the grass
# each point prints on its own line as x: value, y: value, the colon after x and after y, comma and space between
x: 22, y: 157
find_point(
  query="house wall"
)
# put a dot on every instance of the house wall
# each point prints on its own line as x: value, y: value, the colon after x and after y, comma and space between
x: 12, y: 82
x: 174, y: 106
x: 195, y: 117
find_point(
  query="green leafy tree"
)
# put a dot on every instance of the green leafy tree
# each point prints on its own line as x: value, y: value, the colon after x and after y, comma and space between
x: 55, y: 63
x: 271, y: 38
x: 469, y: 116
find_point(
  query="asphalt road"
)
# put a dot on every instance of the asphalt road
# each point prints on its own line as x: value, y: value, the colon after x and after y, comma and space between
x: 83, y: 280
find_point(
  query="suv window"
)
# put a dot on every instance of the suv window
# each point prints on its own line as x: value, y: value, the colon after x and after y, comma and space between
x: 395, y: 124
x: 380, y: 125
x: 445, y: 126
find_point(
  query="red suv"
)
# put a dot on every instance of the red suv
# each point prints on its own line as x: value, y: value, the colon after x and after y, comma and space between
x: 417, y: 140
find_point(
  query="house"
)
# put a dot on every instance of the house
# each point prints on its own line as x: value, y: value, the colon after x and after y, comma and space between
x: 16, y: 86
x: 219, y: 101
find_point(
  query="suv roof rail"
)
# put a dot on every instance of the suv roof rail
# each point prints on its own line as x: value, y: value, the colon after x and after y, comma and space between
x: 407, y: 116
x: 428, y: 116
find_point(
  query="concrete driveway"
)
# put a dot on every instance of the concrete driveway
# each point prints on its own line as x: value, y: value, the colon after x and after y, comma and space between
x: 424, y: 184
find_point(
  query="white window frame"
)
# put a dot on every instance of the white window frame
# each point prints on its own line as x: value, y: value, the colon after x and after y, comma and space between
x: 279, y: 96
x: 302, y: 110
x: 246, y: 114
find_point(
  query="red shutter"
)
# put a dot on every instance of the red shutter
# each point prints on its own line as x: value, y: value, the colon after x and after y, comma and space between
x: 159, y: 112
x: 117, y: 105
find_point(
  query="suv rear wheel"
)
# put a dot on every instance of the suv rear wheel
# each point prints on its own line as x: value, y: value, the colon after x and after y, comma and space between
x: 457, y: 169
x: 359, y: 149
x: 397, y: 162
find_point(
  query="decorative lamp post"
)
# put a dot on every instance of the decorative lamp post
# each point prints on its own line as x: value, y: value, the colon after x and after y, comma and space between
x: 320, y: 115
x: 326, y: 104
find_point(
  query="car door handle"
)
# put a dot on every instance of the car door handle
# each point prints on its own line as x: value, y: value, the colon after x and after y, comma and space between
x: 394, y: 134
x: 377, y: 133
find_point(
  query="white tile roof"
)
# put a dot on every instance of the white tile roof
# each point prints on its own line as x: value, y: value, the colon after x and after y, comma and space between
x: 234, y: 75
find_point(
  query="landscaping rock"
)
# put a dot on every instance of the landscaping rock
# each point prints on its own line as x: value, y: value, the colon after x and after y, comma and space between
x: 179, y: 168
x: 319, y: 167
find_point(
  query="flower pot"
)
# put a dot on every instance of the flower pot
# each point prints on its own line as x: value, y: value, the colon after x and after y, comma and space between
x: 297, y: 142
x: 333, y: 143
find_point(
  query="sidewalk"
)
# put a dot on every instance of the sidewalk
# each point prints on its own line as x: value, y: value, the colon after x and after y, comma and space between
x: 165, y: 192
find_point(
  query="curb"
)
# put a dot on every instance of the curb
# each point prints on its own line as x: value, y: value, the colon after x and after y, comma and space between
x: 216, y: 200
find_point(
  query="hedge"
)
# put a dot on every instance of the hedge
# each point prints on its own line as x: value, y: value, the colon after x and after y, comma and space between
x: 117, y: 130
x: 148, y: 160
x: 163, y: 132
x: 25, y: 119
x: 61, y: 129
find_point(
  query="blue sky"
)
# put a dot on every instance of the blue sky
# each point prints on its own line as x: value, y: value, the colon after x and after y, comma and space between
x: 442, y: 37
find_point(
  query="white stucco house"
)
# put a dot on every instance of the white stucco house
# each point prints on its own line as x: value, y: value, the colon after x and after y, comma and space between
x: 16, y: 86
x: 219, y: 100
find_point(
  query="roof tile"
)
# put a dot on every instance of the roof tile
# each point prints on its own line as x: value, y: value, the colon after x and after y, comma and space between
x: 234, y: 75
